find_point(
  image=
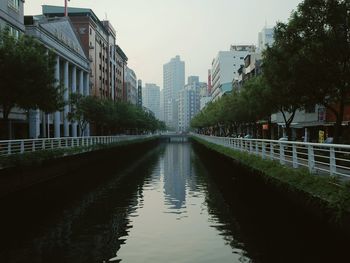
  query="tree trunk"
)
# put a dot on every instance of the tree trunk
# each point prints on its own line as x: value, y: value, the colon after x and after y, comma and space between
x: 338, y: 124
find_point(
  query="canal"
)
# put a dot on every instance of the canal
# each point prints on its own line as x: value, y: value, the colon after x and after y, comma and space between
x: 175, y: 204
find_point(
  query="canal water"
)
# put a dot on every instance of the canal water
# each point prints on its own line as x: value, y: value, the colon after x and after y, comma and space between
x: 166, y: 207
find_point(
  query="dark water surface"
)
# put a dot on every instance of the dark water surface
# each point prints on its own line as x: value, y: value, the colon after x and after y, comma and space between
x: 166, y: 207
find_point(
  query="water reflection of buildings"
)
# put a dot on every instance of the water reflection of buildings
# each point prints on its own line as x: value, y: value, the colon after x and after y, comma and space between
x: 177, y: 174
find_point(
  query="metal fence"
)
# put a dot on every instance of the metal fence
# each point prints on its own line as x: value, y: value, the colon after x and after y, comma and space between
x: 10, y: 147
x: 333, y: 159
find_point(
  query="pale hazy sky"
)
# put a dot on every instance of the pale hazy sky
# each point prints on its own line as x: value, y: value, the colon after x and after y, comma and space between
x: 152, y: 31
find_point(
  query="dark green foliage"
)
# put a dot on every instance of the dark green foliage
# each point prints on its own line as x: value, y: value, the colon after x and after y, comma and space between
x: 27, y: 75
x: 251, y: 104
x: 111, y: 117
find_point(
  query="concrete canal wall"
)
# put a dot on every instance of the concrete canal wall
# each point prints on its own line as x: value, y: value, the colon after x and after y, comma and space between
x: 34, y: 172
x: 324, y: 199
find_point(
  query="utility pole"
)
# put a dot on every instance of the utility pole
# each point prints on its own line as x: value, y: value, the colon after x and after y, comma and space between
x: 66, y: 7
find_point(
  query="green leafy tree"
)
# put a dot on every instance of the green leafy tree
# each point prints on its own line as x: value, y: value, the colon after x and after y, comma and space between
x: 27, y: 76
x: 79, y: 110
x: 280, y: 62
x: 310, y: 59
x: 324, y: 70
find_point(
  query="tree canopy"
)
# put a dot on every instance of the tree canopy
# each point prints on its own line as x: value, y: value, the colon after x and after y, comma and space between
x: 110, y: 117
x: 27, y: 75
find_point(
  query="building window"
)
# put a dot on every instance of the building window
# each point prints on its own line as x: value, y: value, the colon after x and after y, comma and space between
x: 13, y: 31
x: 14, y: 4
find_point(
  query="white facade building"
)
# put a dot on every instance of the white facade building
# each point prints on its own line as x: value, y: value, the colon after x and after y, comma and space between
x: 151, y: 98
x: 173, y: 82
x: 265, y: 38
x: 225, y: 68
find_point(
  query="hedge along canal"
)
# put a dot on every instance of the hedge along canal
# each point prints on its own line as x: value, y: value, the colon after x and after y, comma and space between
x: 322, y: 198
x: 24, y: 171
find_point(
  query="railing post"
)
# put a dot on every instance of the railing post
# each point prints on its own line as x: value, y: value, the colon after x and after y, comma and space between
x: 282, y: 156
x: 311, y: 158
x: 271, y: 151
x: 332, y: 161
x: 8, y: 147
x: 43, y: 145
x: 59, y: 144
x: 263, y: 150
x: 22, y: 146
x: 66, y: 142
x: 33, y: 146
x: 256, y: 147
x: 295, y: 157
x: 251, y: 146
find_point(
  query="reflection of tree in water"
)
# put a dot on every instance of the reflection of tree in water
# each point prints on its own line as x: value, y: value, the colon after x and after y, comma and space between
x: 222, y: 214
x: 94, y: 227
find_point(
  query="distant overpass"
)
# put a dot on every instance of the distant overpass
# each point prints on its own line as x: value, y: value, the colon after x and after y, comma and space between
x: 175, y: 137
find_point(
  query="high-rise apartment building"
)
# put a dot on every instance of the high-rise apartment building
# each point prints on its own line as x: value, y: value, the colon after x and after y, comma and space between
x: 225, y: 68
x: 151, y: 98
x: 131, y: 86
x: 189, y: 99
x: 173, y: 82
x: 122, y: 61
x: 112, y: 63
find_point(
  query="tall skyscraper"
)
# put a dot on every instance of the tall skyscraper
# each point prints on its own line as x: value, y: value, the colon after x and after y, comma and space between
x: 173, y: 82
x: 151, y: 98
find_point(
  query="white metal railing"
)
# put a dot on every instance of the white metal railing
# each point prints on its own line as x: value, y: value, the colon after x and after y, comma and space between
x: 10, y: 147
x: 317, y: 157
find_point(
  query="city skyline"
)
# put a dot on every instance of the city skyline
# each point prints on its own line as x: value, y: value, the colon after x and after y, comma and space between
x: 152, y: 31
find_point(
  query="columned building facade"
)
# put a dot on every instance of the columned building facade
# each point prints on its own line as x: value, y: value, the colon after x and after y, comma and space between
x: 71, y: 73
x: 94, y: 36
